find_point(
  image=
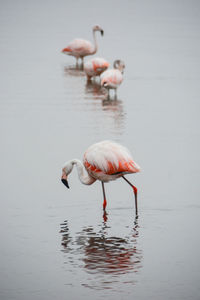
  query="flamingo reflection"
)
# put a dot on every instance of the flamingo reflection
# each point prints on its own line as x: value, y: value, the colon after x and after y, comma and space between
x: 113, y: 109
x: 111, y: 255
x: 104, y: 254
x: 94, y: 89
x: 73, y: 71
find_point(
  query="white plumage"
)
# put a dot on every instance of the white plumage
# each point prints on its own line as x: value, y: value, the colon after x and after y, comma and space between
x: 104, y: 161
x: 79, y: 47
x: 103, y: 153
x: 112, y: 78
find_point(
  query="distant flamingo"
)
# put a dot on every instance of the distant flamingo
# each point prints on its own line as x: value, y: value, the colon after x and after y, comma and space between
x: 95, y: 66
x: 80, y: 48
x: 104, y: 161
x: 112, y: 78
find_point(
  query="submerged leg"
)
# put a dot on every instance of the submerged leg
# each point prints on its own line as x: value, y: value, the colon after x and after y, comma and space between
x: 104, y: 197
x: 135, y: 193
x: 82, y: 63
x: 77, y: 62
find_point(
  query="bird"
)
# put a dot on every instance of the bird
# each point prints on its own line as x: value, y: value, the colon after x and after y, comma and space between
x: 80, y: 48
x: 104, y: 161
x: 111, y: 79
x: 95, y: 66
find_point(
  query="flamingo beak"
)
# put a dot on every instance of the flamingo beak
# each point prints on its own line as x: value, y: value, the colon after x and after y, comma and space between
x: 64, y: 180
x: 102, y: 32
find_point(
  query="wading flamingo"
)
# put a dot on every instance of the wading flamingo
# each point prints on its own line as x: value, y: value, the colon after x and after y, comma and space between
x: 80, y: 48
x: 112, y: 78
x: 95, y: 66
x: 104, y: 161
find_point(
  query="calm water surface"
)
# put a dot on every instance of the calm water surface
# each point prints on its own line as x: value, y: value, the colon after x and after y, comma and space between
x: 55, y: 243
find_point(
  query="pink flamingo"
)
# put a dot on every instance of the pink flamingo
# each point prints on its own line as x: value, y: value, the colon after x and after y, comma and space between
x: 104, y: 161
x: 112, y: 78
x: 80, y: 48
x: 95, y: 66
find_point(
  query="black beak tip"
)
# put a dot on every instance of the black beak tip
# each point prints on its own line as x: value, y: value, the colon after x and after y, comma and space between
x: 65, y: 182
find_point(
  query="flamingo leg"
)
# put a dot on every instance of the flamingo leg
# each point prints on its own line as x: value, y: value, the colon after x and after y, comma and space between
x: 115, y: 94
x: 104, y: 197
x: 135, y: 193
x: 77, y: 62
x: 104, y: 203
x: 108, y: 94
x: 82, y: 63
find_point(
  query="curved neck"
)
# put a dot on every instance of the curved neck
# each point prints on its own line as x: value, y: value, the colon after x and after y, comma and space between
x: 84, y: 177
x: 95, y: 43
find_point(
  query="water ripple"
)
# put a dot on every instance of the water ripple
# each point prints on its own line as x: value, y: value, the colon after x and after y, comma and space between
x: 108, y: 259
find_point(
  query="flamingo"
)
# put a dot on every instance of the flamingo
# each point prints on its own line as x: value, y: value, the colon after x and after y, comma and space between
x: 104, y: 161
x: 95, y: 66
x: 112, y: 78
x: 80, y: 48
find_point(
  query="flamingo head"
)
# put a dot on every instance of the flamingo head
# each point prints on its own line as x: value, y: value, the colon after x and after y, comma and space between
x: 98, y: 28
x: 104, y: 83
x: 65, y: 172
x: 119, y: 64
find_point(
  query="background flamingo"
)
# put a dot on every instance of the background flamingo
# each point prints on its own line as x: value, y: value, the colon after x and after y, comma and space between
x: 104, y: 161
x: 112, y: 78
x: 95, y: 66
x: 80, y: 48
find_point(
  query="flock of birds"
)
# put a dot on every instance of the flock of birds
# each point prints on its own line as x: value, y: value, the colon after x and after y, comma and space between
x: 106, y: 160
x: 110, y: 79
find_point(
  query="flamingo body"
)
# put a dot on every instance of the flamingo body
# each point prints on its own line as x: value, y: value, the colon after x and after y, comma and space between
x: 108, y: 160
x: 95, y: 66
x: 80, y: 48
x: 111, y: 79
x: 104, y: 161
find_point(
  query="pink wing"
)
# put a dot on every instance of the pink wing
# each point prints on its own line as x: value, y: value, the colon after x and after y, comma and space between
x: 110, y: 158
x: 99, y: 64
x: 80, y: 46
x: 95, y: 66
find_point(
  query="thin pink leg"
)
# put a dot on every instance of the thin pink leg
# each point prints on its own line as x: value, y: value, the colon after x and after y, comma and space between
x: 104, y: 197
x: 135, y: 193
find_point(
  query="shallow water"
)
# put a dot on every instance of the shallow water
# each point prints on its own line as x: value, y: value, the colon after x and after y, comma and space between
x: 55, y: 242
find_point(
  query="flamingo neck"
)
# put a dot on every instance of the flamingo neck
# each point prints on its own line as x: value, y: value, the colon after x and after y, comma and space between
x: 95, y: 43
x: 84, y: 177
